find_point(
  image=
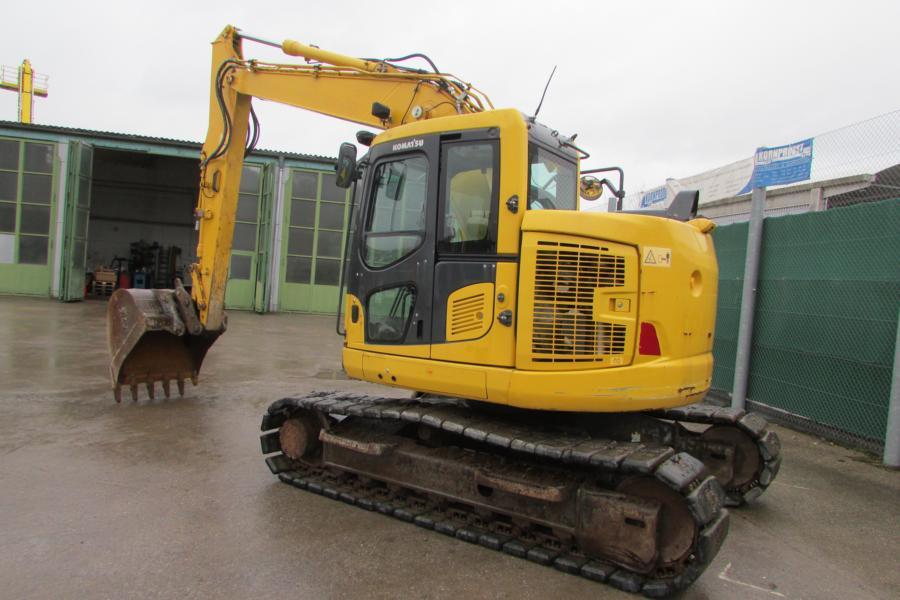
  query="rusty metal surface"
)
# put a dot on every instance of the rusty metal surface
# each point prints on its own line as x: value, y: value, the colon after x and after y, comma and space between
x: 537, y: 492
x: 149, y: 342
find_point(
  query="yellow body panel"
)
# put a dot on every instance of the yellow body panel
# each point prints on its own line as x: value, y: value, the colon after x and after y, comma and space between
x: 497, y: 346
x: 676, y: 293
x: 660, y: 383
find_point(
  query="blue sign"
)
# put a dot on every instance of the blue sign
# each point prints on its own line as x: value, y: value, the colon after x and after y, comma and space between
x: 781, y: 165
x: 654, y: 197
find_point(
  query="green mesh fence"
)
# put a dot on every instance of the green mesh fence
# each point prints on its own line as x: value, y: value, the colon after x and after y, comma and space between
x: 826, y: 314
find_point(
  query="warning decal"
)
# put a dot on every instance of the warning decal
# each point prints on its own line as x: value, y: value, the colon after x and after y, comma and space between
x: 656, y: 257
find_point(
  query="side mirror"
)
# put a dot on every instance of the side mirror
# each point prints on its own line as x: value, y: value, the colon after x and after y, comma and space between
x: 591, y: 188
x: 346, y: 166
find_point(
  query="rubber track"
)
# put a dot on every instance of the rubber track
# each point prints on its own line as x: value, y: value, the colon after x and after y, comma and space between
x: 680, y: 471
x: 767, y: 442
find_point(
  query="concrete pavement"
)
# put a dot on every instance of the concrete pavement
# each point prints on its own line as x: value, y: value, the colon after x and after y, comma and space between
x: 172, y: 498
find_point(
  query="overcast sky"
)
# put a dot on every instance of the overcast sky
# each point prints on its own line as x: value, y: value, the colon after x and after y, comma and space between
x: 664, y: 89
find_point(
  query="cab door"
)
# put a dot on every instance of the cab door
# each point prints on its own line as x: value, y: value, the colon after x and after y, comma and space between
x: 391, y: 269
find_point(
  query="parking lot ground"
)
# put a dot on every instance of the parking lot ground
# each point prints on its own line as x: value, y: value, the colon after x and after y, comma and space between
x: 171, y: 498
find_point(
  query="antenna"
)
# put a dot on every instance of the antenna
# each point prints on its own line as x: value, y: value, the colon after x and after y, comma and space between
x: 549, y: 79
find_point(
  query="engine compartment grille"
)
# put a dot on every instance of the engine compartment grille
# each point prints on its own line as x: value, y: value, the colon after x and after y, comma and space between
x: 564, y: 329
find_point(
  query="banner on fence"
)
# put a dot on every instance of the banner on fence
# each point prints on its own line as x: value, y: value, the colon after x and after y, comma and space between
x: 780, y: 165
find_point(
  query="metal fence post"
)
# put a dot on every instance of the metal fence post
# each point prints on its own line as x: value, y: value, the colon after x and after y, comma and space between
x: 892, y: 432
x: 748, y: 298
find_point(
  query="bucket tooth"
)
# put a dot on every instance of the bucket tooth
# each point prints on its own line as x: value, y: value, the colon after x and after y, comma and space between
x: 134, y: 394
x: 180, y: 384
x: 151, y: 390
x: 167, y: 390
x: 117, y: 393
x: 194, y: 378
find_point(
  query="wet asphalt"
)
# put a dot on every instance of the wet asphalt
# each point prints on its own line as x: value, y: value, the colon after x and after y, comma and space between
x: 171, y: 498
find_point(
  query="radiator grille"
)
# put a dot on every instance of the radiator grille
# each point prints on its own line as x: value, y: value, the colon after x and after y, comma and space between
x: 564, y: 329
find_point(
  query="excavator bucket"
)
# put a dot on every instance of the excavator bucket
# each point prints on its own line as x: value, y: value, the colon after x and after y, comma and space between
x: 154, y: 336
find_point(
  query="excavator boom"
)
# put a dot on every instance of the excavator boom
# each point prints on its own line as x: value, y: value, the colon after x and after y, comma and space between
x: 163, y: 335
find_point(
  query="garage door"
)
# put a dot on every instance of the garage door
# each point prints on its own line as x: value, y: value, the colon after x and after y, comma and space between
x: 315, y: 224
x: 249, y: 252
x: 27, y: 209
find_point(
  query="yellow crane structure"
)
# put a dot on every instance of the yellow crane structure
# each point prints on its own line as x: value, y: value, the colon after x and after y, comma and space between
x: 554, y: 355
x: 27, y: 84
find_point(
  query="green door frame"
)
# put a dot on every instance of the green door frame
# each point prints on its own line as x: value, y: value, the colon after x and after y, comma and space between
x: 76, y: 218
x: 264, y: 237
x: 250, y: 292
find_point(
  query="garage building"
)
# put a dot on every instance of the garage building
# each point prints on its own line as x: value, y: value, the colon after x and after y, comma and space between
x: 80, y: 208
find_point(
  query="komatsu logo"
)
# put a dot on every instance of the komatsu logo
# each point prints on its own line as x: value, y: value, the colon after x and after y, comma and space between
x: 408, y: 145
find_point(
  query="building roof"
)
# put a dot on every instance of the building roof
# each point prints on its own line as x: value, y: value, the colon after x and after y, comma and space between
x: 147, y: 139
x: 885, y: 186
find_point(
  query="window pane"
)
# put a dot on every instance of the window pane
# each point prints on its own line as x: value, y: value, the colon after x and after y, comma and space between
x: 247, y: 207
x: 84, y: 191
x: 7, y: 248
x: 244, y: 237
x: 304, y: 184
x: 300, y: 241
x: 9, y: 155
x: 399, y: 203
x: 8, y: 186
x: 36, y: 188
x: 39, y: 158
x: 328, y: 271
x: 331, y: 216
x: 33, y: 250
x: 553, y: 181
x: 330, y: 191
x: 298, y: 269
x: 303, y: 213
x: 469, y: 198
x: 398, y: 206
x: 250, y: 180
x: 329, y: 243
x: 240, y: 267
x: 382, y: 251
x: 35, y: 219
x: 7, y: 216
x: 388, y: 313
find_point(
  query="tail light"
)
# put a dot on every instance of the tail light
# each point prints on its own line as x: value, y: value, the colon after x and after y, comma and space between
x: 649, y: 342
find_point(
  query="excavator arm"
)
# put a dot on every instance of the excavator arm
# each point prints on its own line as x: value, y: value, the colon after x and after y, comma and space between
x: 163, y: 335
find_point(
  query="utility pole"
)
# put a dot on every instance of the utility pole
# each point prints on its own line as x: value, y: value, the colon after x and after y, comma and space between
x: 27, y: 84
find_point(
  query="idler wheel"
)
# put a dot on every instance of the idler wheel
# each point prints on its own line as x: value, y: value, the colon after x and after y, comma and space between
x: 677, y: 527
x: 746, y: 456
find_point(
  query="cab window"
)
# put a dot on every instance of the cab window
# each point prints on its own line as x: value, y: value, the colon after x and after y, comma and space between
x: 552, y: 181
x: 395, y: 225
x: 469, y: 197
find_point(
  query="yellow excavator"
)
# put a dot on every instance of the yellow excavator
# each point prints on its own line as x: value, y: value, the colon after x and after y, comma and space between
x: 555, y: 356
